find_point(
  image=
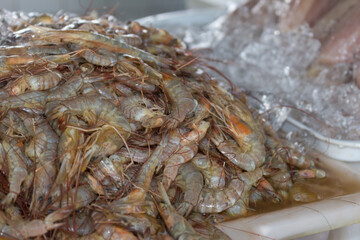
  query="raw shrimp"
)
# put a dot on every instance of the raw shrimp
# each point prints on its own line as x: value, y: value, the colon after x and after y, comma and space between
x: 191, y: 181
x: 42, y: 149
x: 141, y: 109
x: 100, y: 57
x: 7, y: 63
x: 201, y: 112
x: 212, y: 171
x: 181, y: 100
x: 80, y: 223
x: 15, y: 124
x: 93, y: 109
x: 169, y: 144
x: 42, y: 81
x: 249, y: 179
x: 36, y: 227
x: 92, y: 39
x: 17, y: 169
x: 134, y: 203
x: 131, y: 39
x: 122, y: 90
x: 267, y: 190
x: 77, y: 197
x: 32, y: 100
x: 139, y: 155
x: 177, y: 225
x: 38, y: 50
x: 69, y: 141
x: 172, y: 165
x: 140, y: 86
x: 113, y: 168
x: 289, y: 154
x: 104, y: 142
x: 138, y: 223
x: 86, y: 69
x: 105, y: 92
x: 201, y: 225
x: 66, y: 90
x: 229, y: 148
x: 309, y: 173
x: 246, y: 131
x: 112, y: 232
x: 215, y: 200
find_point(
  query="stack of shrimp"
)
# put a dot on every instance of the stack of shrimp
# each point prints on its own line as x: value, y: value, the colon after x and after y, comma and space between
x: 116, y: 132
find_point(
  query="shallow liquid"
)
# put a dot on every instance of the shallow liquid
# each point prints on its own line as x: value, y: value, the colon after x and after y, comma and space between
x: 338, y: 182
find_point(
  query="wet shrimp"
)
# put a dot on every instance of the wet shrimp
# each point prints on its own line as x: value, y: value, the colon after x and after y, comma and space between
x: 169, y: 144
x: 202, y: 226
x: 241, y: 125
x: 31, y: 100
x: 201, y: 112
x: 76, y: 198
x: 42, y: 81
x: 131, y: 39
x: 215, y: 200
x: 112, y: 232
x: 17, y: 168
x: 212, y: 171
x: 141, y: 109
x: 42, y: 149
x: 181, y: 100
x: 139, y: 223
x: 136, y: 154
x: 15, y: 125
x: 105, y: 91
x: 7, y: 63
x: 34, y: 228
x: 177, y: 225
x: 66, y: 90
x: 95, y: 40
x: 80, y: 223
x: 37, y: 50
x: 267, y: 190
x: 137, y: 85
x: 250, y: 179
x: 100, y: 57
x: 69, y: 141
x: 93, y: 109
x: 134, y: 203
x: 191, y: 181
x: 231, y: 150
x: 172, y: 165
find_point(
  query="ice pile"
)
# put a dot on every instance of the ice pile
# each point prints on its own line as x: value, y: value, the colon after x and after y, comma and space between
x: 250, y: 50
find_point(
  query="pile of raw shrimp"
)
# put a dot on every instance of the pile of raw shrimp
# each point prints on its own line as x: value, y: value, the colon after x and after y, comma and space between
x: 116, y: 131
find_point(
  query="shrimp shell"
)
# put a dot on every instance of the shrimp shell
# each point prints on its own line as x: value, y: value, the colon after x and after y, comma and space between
x: 215, y: 200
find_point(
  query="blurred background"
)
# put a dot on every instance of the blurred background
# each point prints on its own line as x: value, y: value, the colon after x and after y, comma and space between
x: 122, y: 9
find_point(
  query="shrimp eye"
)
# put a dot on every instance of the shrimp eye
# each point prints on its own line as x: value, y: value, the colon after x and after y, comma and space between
x: 92, y: 159
x: 40, y: 198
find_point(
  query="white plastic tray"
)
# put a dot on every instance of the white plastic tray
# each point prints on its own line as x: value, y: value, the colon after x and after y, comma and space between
x: 338, y: 149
